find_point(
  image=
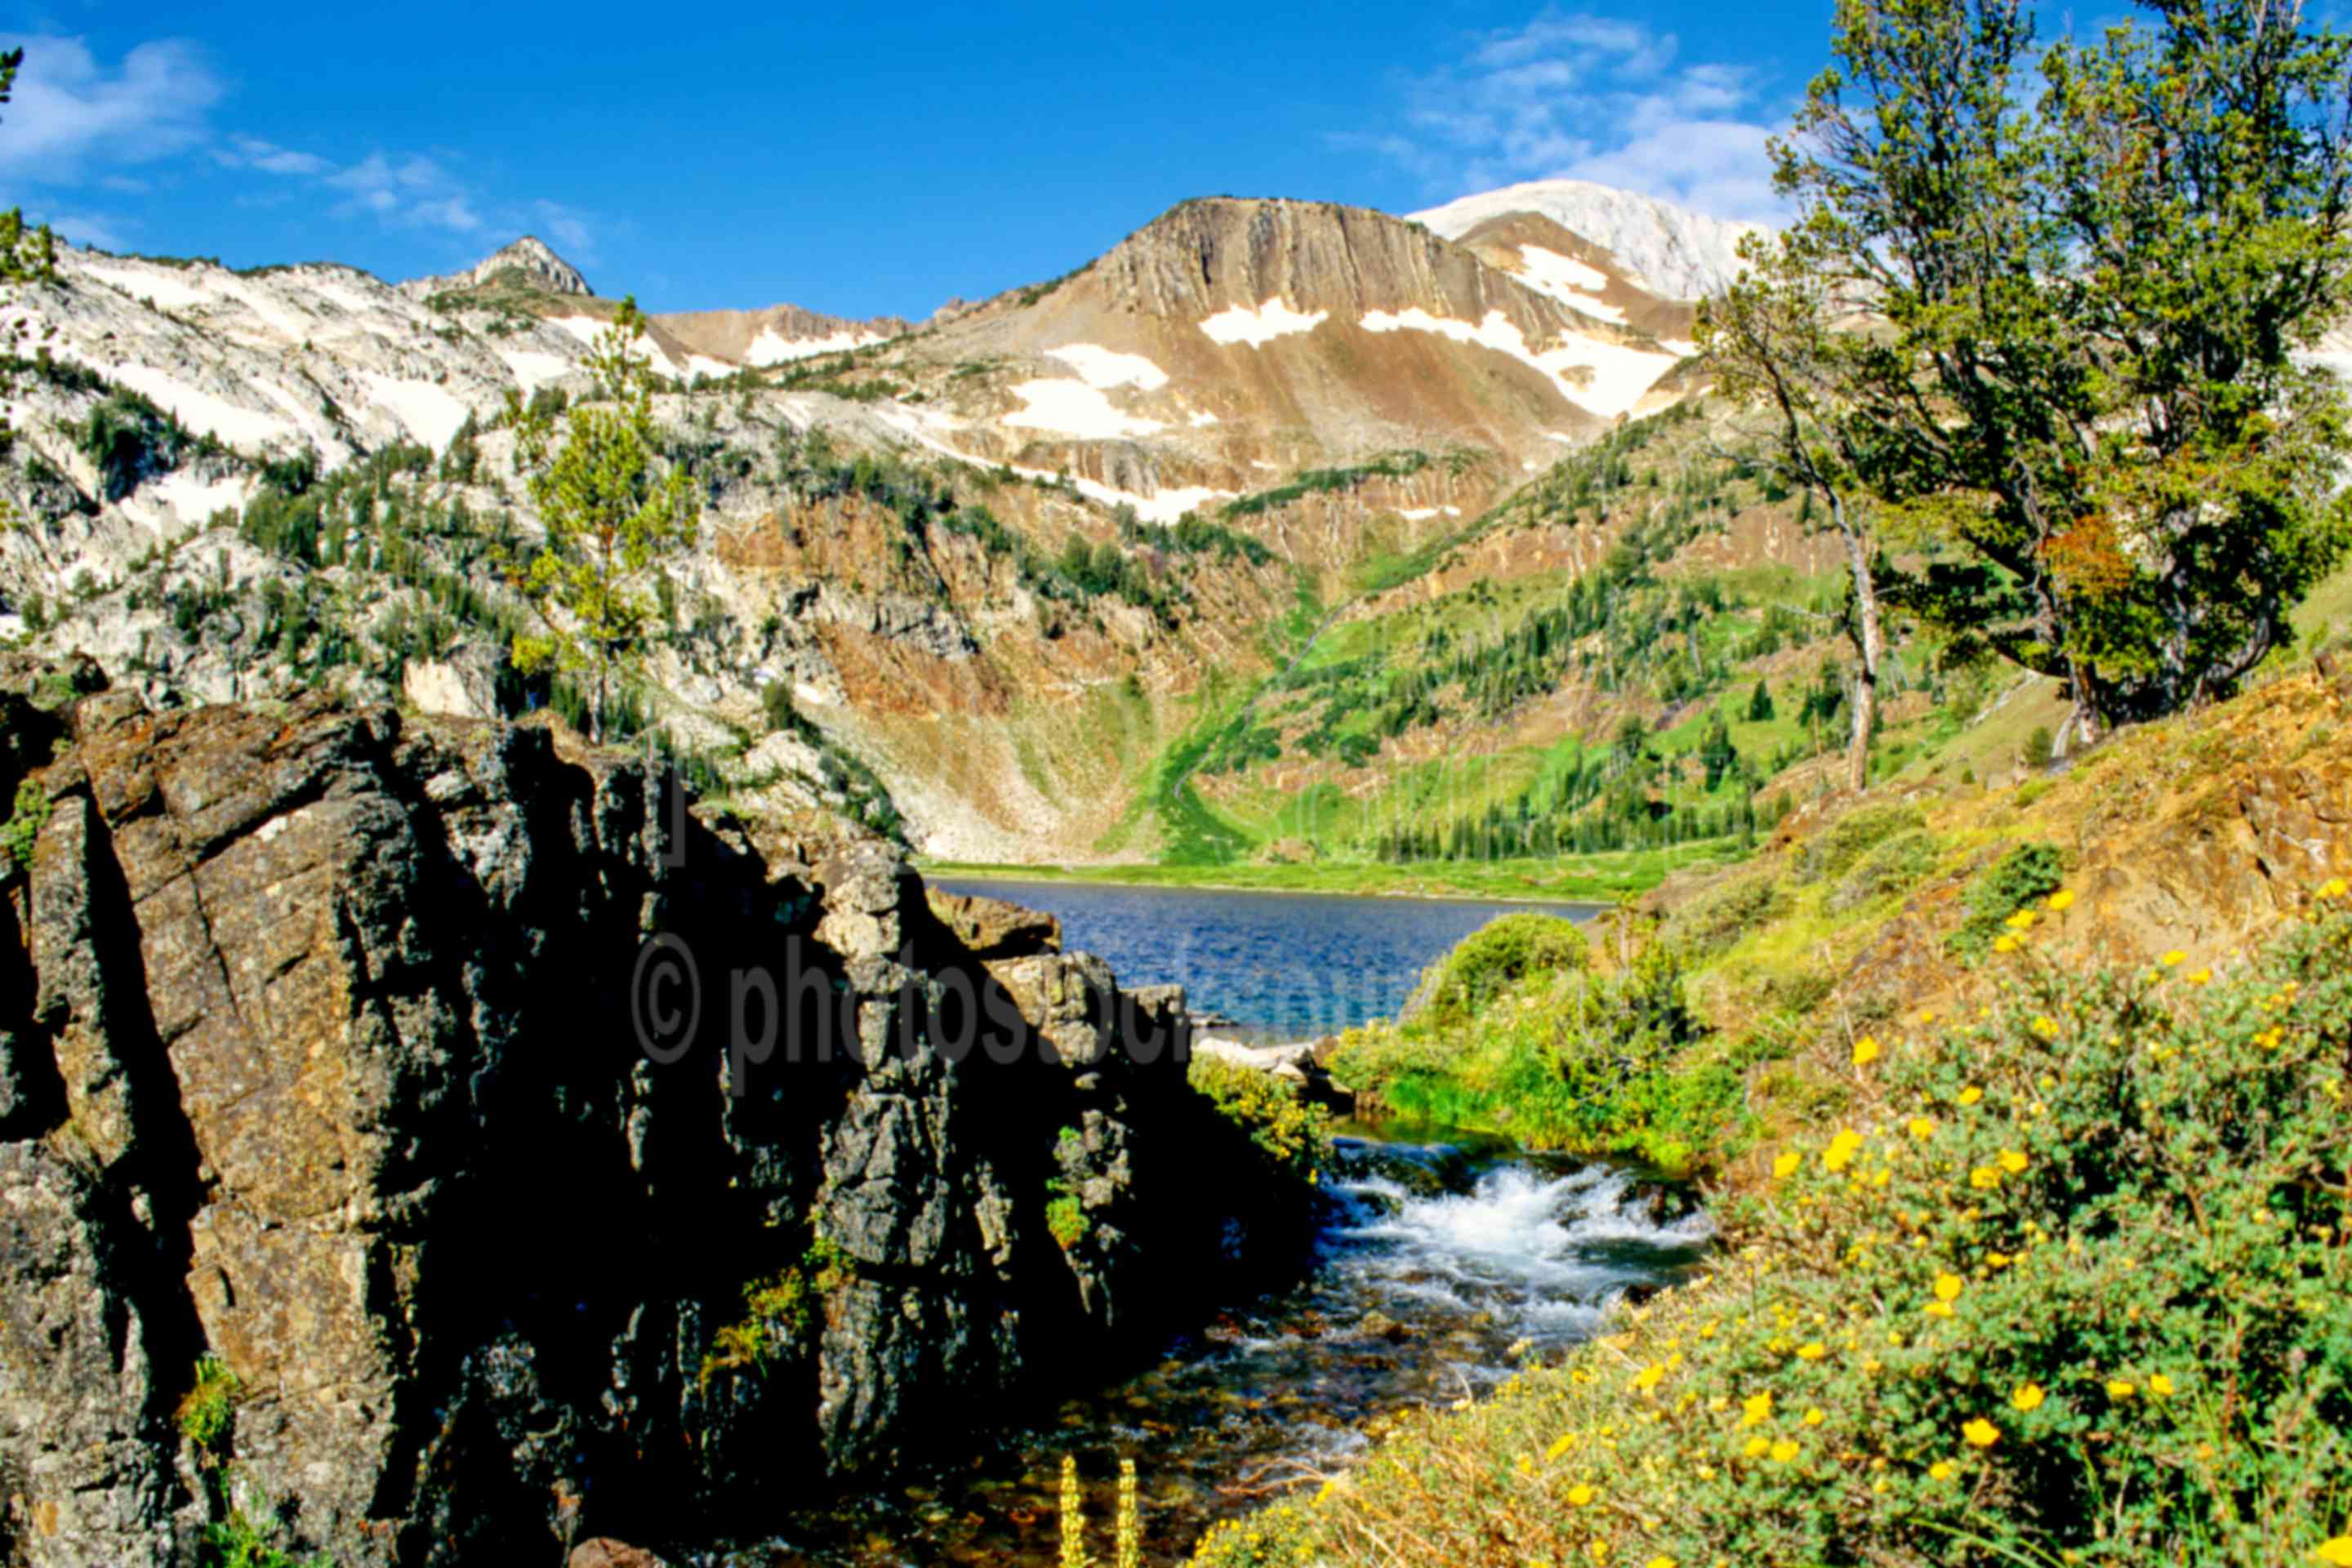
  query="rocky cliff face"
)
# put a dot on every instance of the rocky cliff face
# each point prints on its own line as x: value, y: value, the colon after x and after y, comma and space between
x: 317, y: 1058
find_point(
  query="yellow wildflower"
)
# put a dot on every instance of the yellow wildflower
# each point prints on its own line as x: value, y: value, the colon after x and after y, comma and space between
x: 1941, y: 1470
x: 1786, y: 1166
x: 1784, y: 1451
x: 1841, y: 1151
x: 1922, y: 1127
x: 2336, y: 1554
x: 1553, y: 1453
x: 2021, y: 921
x: 1970, y: 1095
x: 1981, y: 1433
x: 1816, y: 1416
x: 1866, y: 1050
x: 2029, y: 1396
x: 1812, y: 1352
x: 1662, y: 1561
x: 1984, y: 1178
x: 2160, y: 1385
x: 1757, y: 1447
x: 1947, y: 1286
x: 2013, y: 1161
x: 2335, y: 888
x: 1580, y: 1495
x: 2199, y: 976
x: 2046, y: 1027
x: 2004, y: 943
x: 2118, y: 1389
x: 2062, y: 900
x: 1649, y: 1377
x: 1756, y: 1409
x: 2175, y: 959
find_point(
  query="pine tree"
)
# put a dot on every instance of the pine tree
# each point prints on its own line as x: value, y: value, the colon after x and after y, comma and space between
x: 613, y: 522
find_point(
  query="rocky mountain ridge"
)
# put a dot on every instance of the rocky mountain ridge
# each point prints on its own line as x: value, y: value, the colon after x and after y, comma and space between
x: 888, y: 558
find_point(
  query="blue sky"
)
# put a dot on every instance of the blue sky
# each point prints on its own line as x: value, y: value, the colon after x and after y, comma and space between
x: 854, y: 160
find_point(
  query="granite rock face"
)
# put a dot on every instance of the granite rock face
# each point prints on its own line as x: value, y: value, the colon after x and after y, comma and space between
x: 317, y: 1056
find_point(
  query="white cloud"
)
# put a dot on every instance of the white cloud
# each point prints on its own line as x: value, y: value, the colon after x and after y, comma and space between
x: 69, y: 112
x: 252, y: 153
x: 409, y: 192
x: 1578, y: 95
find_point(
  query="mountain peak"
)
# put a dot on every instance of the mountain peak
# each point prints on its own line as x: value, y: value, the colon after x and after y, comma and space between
x: 533, y: 257
x: 1669, y: 250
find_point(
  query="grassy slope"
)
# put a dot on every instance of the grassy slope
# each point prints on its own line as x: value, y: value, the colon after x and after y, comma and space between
x: 1577, y: 878
x: 2205, y: 836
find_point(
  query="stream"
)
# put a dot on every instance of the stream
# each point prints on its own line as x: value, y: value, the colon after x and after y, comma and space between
x: 1444, y: 1266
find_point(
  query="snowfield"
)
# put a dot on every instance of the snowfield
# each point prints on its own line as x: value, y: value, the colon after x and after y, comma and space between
x: 534, y: 369
x: 771, y: 348
x: 1618, y: 375
x: 1570, y: 281
x: 428, y: 413
x: 1103, y: 367
x: 1259, y: 327
x: 1074, y: 408
x: 201, y: 411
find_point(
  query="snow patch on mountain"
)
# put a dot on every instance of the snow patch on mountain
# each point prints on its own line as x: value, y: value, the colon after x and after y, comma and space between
x: 1616, y: 379
x: 1074, y: 408
x: 1667, y: 250
x: 201, y: 411
x: 1260, y: 326
x: 772, y: 348
x: 1569, y: 281
x: 426, y: 412
x: 1106, y: 368
x: 534, y: 369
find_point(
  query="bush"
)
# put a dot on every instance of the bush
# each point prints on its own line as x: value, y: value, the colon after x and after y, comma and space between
x: 1569, y: 1059
x: 1497, y: 955
x: 23, y: 825
x: 1720, y: 916
x: 1998, y: 893
x: 1834, y: 849
x: 1894, y: 866
x: 2071, y: 1288
x: 209, y: 1406
x: 1293, y: 1131
x: 2040, y: 746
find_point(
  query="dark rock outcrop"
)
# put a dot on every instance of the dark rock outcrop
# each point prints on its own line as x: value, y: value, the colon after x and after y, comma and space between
x: 320, y: 1056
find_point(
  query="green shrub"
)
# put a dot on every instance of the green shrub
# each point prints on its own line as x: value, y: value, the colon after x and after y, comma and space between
x: 1295, y: 1132
x: 2040, y: 746
x: 2070, y: 1287
x: 1573, y: 1060
x: 209, y: 1407
x: 1998, y: 892
x: 1896, y: 866
x: 23, y: 825
x: 779, y: 1313
x: 1720, y: 916
x: 1834, y: 849
x: 1501, y: 952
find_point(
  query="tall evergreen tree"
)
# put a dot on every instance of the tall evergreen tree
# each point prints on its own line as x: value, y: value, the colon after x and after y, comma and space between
x: 612, y: 522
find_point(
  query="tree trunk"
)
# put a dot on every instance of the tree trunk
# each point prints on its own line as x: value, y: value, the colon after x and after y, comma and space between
x: 1868, y: 642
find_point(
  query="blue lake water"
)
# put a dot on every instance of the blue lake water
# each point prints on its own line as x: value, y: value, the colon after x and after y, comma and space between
x: 1287, y: 965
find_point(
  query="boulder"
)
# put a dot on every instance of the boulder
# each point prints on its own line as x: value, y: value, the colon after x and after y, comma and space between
x: 993, y: 928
